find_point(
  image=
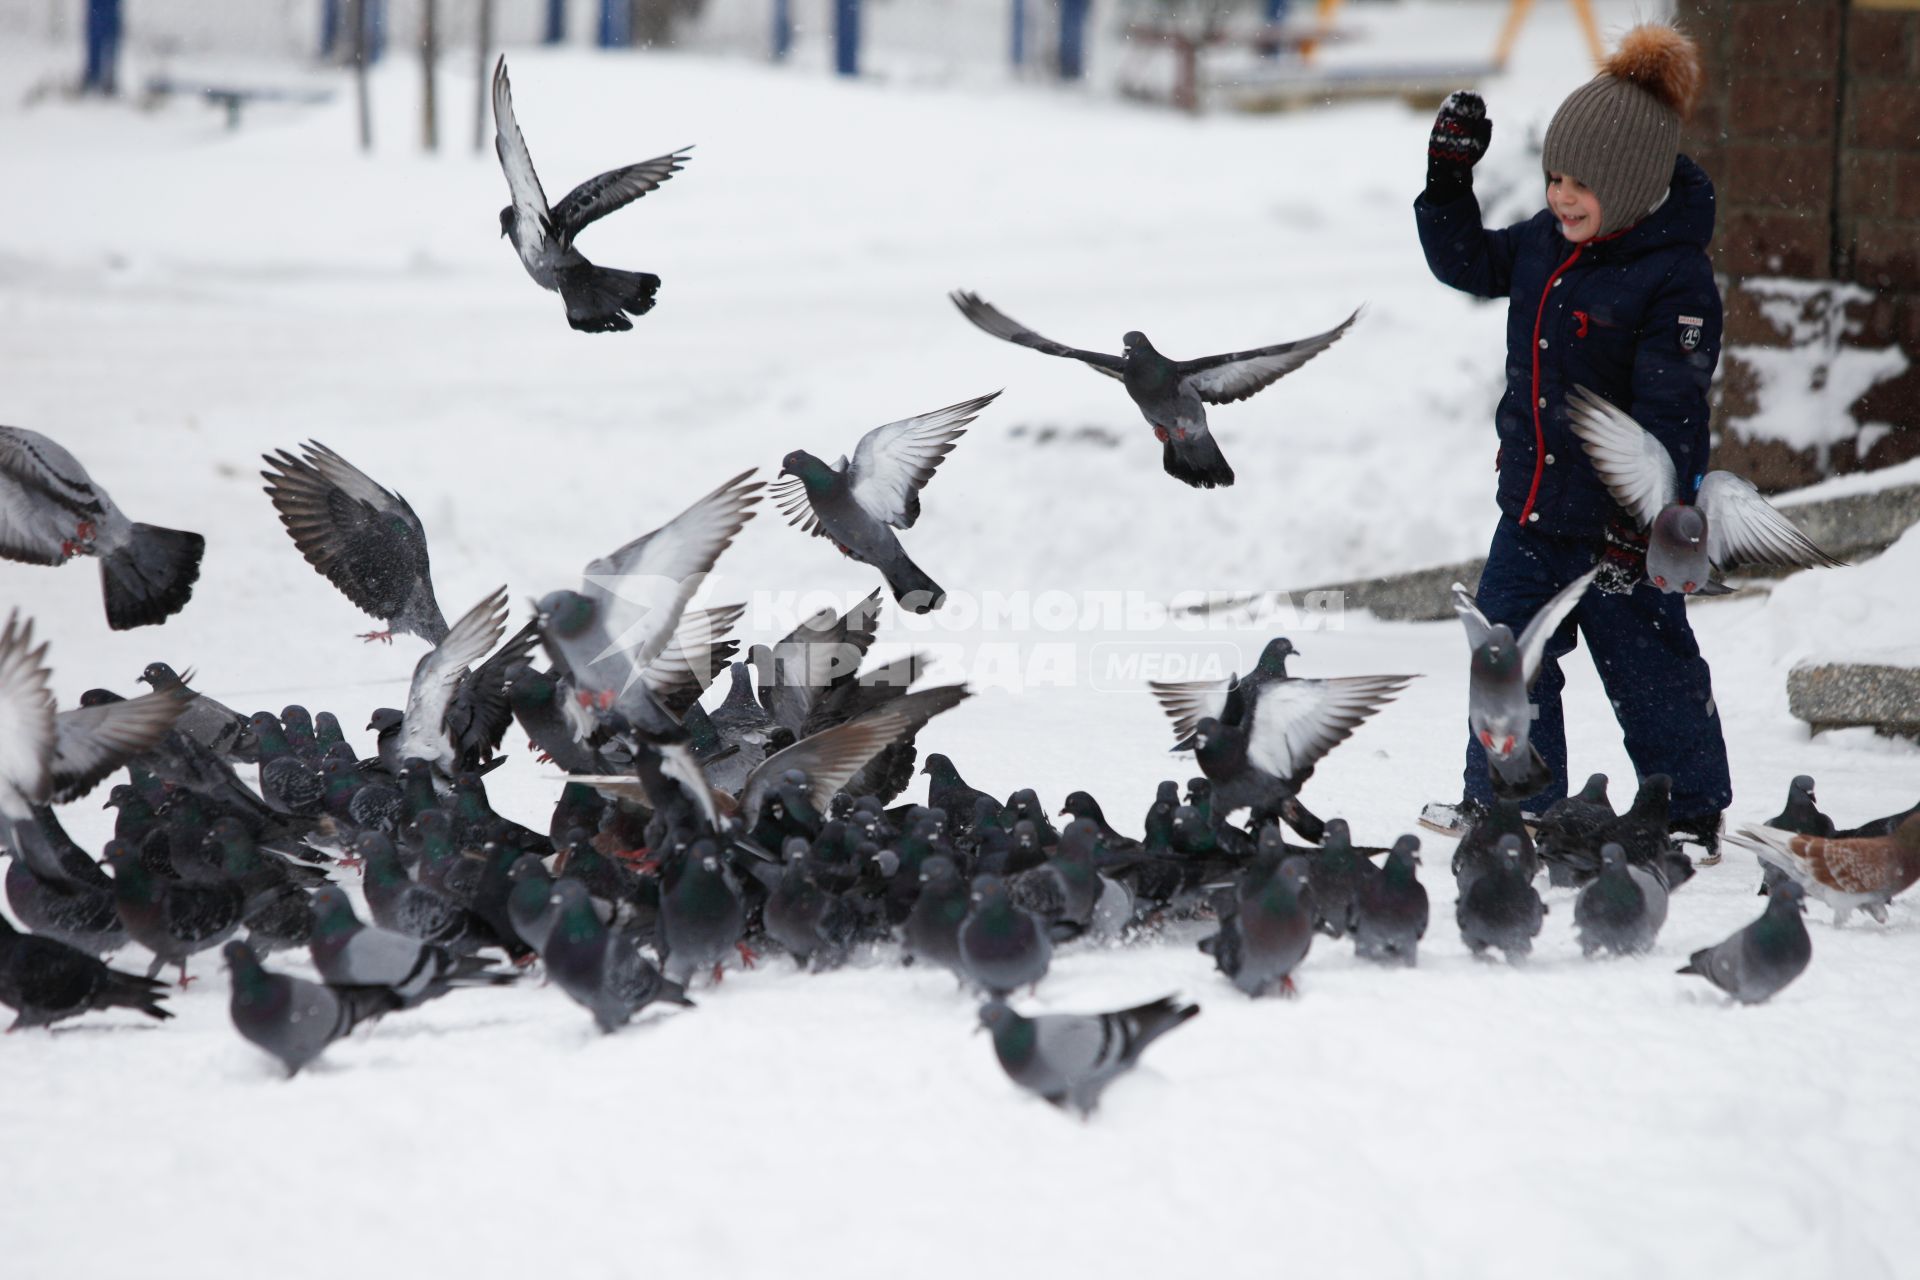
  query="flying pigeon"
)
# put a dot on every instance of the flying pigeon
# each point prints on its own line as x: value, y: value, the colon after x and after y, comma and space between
x: 1755, y: 963
x: 857, y: 505
x: 1848, y: 873
x: 49, y: 756
x: 1725, y: 522
x: 598, y: 299
x: 1500, y: 671
x: 365, y: 539
x: 1622, y: 910
x: 44, y: 980
x: 51, y: 510
x: 291, y: 1018
x: 1172, y: 395
x: 1271, y: 729
x: 1390, y: 911
x: 1069, y: 1058
x: 347, y: 952
x: 423, y: 726
x: 1186, y: 701
x: 1500, y: 909
x: 608, y: 635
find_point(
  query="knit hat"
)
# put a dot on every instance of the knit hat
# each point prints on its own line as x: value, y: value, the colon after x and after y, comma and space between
x: 1620, y: 132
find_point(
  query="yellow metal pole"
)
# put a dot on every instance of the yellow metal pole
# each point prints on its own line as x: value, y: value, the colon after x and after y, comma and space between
x: 1517, y: 18
x: 1583, y: 9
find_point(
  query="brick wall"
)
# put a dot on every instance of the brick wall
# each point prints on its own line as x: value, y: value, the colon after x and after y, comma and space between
x: 1810, y: 127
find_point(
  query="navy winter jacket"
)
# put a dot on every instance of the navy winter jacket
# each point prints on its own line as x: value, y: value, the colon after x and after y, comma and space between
x: 1634, y: 316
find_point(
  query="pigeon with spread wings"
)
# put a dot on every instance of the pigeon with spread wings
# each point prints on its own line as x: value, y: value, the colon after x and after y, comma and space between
x: 362, y: 538
x: 51, y: 511
x: 1500, y: 672
x: 1261, y: 761
x: 1172, y: 395
x: 859, y: 504
x: 1727, y: 522
x: 598, y: 299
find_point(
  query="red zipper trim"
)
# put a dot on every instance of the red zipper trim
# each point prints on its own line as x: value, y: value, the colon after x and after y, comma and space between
x: 1539, y: 432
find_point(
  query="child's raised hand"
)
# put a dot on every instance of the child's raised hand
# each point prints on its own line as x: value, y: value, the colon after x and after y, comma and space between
x: 1460, y: 136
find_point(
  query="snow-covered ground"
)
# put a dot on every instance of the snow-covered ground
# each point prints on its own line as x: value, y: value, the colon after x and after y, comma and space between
x: 175, y: 299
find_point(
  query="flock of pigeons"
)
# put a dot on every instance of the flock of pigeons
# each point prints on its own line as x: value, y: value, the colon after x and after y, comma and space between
x: 686, y: 836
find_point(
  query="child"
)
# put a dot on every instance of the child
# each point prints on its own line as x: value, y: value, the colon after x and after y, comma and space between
x: 1609, y: 287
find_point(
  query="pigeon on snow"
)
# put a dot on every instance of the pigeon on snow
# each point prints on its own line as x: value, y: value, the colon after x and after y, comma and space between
x: 598, y: 299
x: 1759, y: 960
x: 51, y: 510
x: 1070, y: 1058
x: 291, y: 1018
x: 1848, y: 873
x: 1172, y: 395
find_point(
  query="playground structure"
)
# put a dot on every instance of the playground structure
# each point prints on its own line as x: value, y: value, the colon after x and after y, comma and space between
x: 1287, y: 74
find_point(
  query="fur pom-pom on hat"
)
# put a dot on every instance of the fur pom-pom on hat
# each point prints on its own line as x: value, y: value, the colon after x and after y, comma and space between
x: 1662, y: 61
x: 1619, y: 133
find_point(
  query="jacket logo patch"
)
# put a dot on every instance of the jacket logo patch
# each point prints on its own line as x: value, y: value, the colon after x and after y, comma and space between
x: 1690, y: 330
x: 1580, y: 318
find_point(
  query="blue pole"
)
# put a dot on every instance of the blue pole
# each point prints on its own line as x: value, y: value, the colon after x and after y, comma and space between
x: 556, y: 22
x: 1019, y: 33
x: 1276, y: 14
x: 376, y: 20
x: 329, y: 27
x: 103, y: 46
x: 846, y: 37
x: 782, y: 29
x: 1073, y: 37
x: 615, y: 28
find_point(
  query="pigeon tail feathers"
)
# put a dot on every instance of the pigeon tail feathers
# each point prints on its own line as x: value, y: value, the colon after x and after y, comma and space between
x: 151, y: 578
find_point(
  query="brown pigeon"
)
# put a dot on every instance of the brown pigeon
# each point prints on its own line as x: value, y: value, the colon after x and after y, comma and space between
x: 1847, y: 873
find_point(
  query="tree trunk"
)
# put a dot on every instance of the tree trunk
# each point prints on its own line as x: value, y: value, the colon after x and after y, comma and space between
x: 429, y: 62
x: 357, y: 26
x: 483, y: 74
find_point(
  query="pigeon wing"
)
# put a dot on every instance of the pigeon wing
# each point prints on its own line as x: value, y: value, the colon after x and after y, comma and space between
x: 894, y: 462
x: 1189, y: 702
x: 423, y: 726
x: 643, y: 588
x: 996, y: 322
x: 831, y: 757
x: 1533, y: 641
x: 535, y: 220
x: 1744, y: 528
x: 597, y: 197
x: 1298, y: 721
x: 1479, y: 630
x: 1238, y: 374
x: 1632, y: 463
x: 698, y: 651
x: 26, y: 721
x: 91, y: 742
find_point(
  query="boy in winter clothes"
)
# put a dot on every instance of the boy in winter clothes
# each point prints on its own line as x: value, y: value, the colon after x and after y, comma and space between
x: 1609, y: 287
